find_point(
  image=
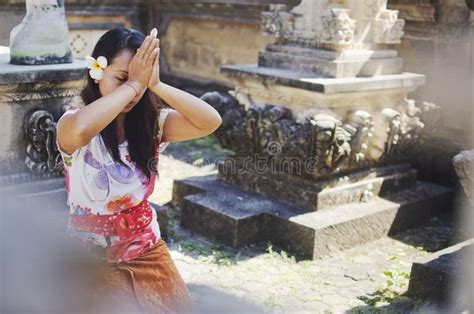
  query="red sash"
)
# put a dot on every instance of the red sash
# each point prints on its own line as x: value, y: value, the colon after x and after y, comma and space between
x: 129, y: 224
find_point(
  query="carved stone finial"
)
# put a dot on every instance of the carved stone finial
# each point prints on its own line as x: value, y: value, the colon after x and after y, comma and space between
x: 277, y: 21
x: 388, y: 28
x: 338, y: 26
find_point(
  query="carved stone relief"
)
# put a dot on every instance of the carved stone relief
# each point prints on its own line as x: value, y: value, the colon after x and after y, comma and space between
x: 313, y: 23
x: 277, y: 21
x: 43, y: 157
x: 388, y: 28
x: 338, y: 26
x: 338, y: 144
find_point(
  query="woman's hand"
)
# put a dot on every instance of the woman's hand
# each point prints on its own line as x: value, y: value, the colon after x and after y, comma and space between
x: 142, y: 64
x: 155, y: 75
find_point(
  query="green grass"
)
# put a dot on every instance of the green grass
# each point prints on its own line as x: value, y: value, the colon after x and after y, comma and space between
x: 394, y: 286
x: 214, y: 253
x: 283, y: 255
x: 201, y: 147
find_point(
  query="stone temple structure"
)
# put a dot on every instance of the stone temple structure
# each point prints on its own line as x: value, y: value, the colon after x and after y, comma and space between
x: 323, y: 132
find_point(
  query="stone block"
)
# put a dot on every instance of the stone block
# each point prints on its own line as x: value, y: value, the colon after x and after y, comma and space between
x: 464, y: 166
x: 238, y: 218
x: 438, y: 276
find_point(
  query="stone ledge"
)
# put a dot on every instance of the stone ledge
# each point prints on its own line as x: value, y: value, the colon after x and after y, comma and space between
x: 301, y: 80
x: 16, y: 74
x: 322, y: 193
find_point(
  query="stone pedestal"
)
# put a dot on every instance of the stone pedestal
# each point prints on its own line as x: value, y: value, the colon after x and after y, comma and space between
x: 323, y: 133
x: 339, y: 217
x: 32, y: 99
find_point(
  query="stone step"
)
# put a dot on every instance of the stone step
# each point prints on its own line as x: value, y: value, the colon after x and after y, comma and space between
x: 330, y: 68
x: 200, y: 184
x: 219, y: 193
x: 352, y: 224
x: 438, y: 277
x: 239, y: 218
x: 319, y: 194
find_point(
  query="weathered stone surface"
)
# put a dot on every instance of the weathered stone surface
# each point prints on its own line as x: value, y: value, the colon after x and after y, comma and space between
x: 312, y: 62
x: 341, y: 26
x: 321, y: 194
x: 357, y: 272
x: 271, y: 76
x: 28, y: 89
x: 438, y: 277
x: 57, y: 73
x: 464, y: 166
x: 314, y: 144
x: 307, y: 280
x: 238, y: 218
x: 330, y: 69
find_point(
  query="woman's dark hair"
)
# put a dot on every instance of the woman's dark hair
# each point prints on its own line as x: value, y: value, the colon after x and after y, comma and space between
x: 140, y: 122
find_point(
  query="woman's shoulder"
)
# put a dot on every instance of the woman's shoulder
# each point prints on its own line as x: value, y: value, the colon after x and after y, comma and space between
x: 67, y: 158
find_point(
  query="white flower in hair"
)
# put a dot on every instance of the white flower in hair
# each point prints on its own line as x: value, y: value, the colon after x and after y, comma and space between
x: 96, y: 66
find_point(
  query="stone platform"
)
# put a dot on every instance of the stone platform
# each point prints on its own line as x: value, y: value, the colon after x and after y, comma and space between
x: 439, y: 276
x: 237, y: 217
x: 321, y: 84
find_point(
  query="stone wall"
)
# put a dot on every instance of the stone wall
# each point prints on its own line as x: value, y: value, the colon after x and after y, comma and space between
x: 198, y: 47
x: 199, y: 36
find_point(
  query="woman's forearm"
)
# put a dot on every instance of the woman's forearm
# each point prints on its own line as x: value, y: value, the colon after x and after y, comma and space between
x: 94, y: 117
x: 198, y: 112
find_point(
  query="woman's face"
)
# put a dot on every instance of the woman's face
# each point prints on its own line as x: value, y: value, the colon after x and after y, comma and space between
x: 115, y: 74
